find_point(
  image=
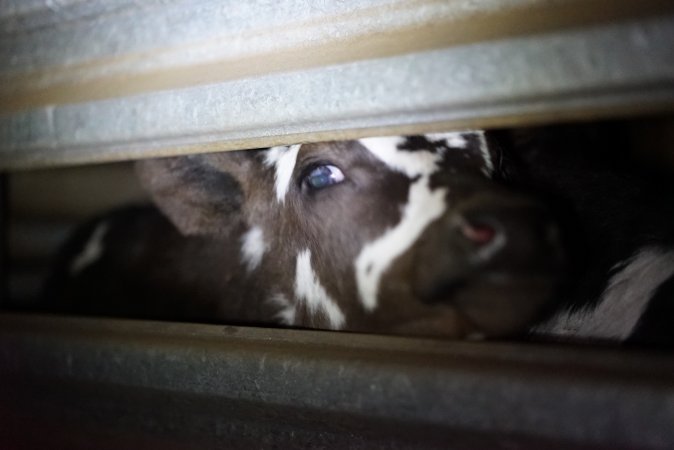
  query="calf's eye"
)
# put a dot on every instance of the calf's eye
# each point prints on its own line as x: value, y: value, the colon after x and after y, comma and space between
x: 323, y: 176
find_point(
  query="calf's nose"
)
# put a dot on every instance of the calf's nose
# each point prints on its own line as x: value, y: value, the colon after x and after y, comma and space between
x: 477, y: 232
x: 509, y: 234
x: 485, y: 239
x: 497, y: 260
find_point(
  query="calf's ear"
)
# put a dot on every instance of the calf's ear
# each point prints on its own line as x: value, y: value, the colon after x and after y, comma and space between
x: 198, y: 198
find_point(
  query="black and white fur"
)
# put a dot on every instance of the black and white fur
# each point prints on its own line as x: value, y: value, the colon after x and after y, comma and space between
x: 406, y: 235
x: 618, y: 218
x: 395, y: 246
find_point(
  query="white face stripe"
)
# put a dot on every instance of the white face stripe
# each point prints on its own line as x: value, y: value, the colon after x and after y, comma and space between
x: 308, y: 290
x: 423, y: 207
x: 284, y: 159
x: 622, y: 303
x: 458, y: 139
x: 382, y: 146
x: 455, y: 139
x: 412, y: 164
x: 253, y: 248
x: 287, y: 312
x: 92, y: 250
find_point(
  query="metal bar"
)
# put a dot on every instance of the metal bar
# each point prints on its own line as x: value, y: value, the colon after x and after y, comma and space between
x: 164, y: 45
x: 117, y: 382
x: 131, y: 80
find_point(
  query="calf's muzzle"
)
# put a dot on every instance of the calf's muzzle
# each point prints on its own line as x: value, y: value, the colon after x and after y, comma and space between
x: 496, y: 257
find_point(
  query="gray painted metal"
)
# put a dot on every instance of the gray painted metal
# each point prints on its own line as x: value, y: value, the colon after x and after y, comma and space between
x: 94, y: 383
x: 99, y: 81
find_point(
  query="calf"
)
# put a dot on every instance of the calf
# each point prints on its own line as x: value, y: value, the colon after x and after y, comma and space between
x: 414, y: 235
x: 405, y: 235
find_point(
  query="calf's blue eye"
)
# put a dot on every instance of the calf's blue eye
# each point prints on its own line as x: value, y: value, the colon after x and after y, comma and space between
x: 324, y: 176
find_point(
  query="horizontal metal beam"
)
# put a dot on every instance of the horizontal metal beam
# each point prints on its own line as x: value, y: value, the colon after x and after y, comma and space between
x: 115, y: 382
x: 81, y: 51
x: 99, y: 81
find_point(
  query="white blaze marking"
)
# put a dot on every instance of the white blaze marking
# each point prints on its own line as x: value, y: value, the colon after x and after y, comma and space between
x: 92, y: 250
x: 253, y: 248
x: 456, y: 139
x: 309, y: 290
x: 287, y: 311
x: 284, y: 159
x: 423, y: 207
x: 622, y: 303
x: 411, y: 164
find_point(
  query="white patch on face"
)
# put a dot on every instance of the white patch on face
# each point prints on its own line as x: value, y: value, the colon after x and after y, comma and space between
x: 308, y: 290
x: 287, y: 311
x: 253, y: 248
x: 92, y: 250
x: 383, y: 146
x: 412, y: 164
x: 622, y: 303
x: 456, y: 139
x: 284, y: 159
x: 423, y: 207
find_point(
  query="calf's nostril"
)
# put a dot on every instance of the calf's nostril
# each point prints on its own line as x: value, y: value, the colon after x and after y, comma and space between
x: 478, y: 233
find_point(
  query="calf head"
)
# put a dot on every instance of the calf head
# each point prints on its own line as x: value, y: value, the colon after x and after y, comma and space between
x: 400, y: 235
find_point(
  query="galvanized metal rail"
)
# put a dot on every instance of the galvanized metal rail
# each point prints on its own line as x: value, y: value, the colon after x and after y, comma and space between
x: 88, y: 383
x: 108, y: 80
